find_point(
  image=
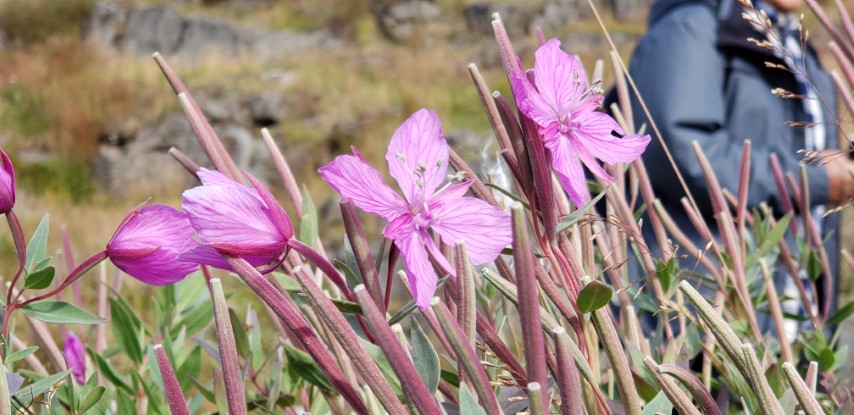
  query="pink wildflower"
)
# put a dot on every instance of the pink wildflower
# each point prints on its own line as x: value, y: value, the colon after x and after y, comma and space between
x: 418, y: 159
x: 75, y: 357
x: 234, y: 219
x: 7, y: 184
x: 564, y: 108
x: 147, y: 243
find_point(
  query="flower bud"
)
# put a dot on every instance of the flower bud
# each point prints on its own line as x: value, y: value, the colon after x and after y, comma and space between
x: 7, y: 184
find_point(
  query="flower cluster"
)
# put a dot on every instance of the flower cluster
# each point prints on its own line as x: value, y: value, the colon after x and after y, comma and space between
x: 565, y: 107
x: 157, y: 244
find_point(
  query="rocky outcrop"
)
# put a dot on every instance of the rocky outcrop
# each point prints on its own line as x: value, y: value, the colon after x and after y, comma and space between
x: 410, y: 20
x: 142, y: 31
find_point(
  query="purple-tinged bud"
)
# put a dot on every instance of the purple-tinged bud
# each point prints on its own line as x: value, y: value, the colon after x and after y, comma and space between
x: 236, y: 220
x: 147, y: 243
x: 7, y: 184
x: 75, y: 357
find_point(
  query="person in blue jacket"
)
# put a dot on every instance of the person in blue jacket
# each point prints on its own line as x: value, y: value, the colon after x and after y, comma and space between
x: 703, y: 81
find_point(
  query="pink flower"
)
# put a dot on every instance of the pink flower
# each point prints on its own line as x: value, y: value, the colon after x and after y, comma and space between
x: 75, y: 357
x: 147, y: 243
x: 573, y: 131
x: 7, y: 184
x: 234, y: 219
x: 418, y: 159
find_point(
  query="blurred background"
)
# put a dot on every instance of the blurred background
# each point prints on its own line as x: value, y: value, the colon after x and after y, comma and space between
x: 87, y: 117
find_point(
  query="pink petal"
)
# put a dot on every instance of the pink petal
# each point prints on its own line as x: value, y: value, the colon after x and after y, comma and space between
x: 147, y: 243
x: 530, y: 103
x: 568, y: 168
x: 276, y: 212
x: 200, y: 254
x: 422, y: 278
x: 210, y: 177
x: 7, y: 183
x: 595, y: 135
x: 485, y: 229
x: 588, y: 161
x: 354, y: 179
x: 452, y: 191
x: 230, y: 214
x: 418, y: 154
x: 560, y: 78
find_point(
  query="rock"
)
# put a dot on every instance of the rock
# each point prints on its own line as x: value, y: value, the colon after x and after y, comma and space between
x: 156, y: 29
x: 142, y: 31
x: 556, y: 15
x: 266, y: 109
x: 630, y: 10
x: 409, y: 19
x: 479, y: 18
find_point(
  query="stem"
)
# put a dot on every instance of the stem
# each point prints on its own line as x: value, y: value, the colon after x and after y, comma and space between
x: 410, y: 380
x: 231, y: 373
x: 78, y: 272
x: 21, y: 248
x: 174, y: 395
x: 305, y: 336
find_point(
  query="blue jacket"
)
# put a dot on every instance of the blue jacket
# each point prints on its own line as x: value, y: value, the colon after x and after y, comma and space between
x: 702, y: 80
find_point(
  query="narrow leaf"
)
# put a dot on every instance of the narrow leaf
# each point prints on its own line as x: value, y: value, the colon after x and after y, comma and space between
x: 37, y: 248
x: 305, y: 367
x: 578, y: 214
x: 40, y: 279
x: 308, y: 221
x: 60, y: 312
x: 425, y: 357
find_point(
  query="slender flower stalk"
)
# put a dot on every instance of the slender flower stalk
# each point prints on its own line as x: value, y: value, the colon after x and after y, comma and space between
x: 174, y: 394
x: 536, y: 397
x: 231, y: 372
x: 809, y: 404
x: 616, y: 355
x: 681, y: 402
x: 707, y: 404
x: 410, y: 380
x: 466, y: 295
x: 361, y: 250
x: 758, y: 383
x: 466, y: 357
x: 307, y: 338
x: 569, y: 384
x: 529, y: 303
x: 5, y: 396
x: 343, y: 333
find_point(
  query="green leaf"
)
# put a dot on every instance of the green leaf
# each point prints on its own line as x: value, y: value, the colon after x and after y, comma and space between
x: 771, y: 240
x: 37, y: 249
x: 196, y: 319
x: 124, y: 403
x: 51, y: 311
x: 352, y: 276
x: 578, y: 214
x: 305, y: 367
x: 108, y: 371
x: 92, y: 399
x: 384, y: 366
x: 288, y: 284
x: 666, y: 273
x: 20, y: 354
x: 40, y: 279
x: 814, y: 266
x: 840, y: 315
x: 658, y: 405
x: 468, y: 403
x: 25, y: 395
x: 509, y: 195
x: 452, y: 378
x: 347, y: 307
x: 594, y: 296
x: 788, y: 401
x: 308, y: 221
x: 125, y: 331
x: 407, y: 309
x: 191, y: 368
x: 241, y: 338
x: 425, y: 357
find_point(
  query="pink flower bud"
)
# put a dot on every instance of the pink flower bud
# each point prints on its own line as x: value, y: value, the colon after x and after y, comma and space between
x: 75, y: 357
x: 7, y: 184
x: 147, y: 243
